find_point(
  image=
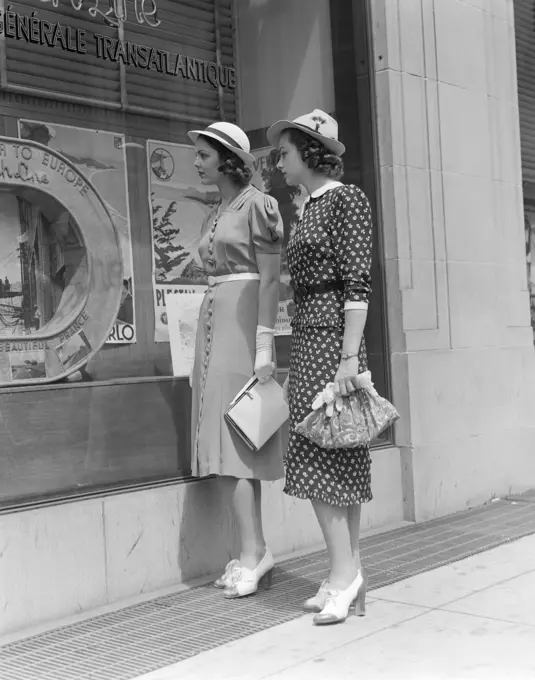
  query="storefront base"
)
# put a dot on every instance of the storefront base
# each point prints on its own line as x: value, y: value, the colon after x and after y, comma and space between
x: 67, y: 559
x: 81, y: 557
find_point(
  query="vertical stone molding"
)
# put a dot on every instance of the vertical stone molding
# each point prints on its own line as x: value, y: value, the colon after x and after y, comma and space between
x: 450, y: 172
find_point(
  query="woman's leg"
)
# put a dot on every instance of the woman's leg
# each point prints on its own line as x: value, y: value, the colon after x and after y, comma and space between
x: 334, y: 523
x: 246, y: 499
x: 353, y: 518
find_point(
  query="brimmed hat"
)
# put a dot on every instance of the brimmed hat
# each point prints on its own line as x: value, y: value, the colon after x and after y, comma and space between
x: 230, y: 136
x: 317, y: 124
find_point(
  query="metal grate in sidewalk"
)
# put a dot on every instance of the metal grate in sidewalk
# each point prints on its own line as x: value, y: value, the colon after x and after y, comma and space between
x: 144, y: 637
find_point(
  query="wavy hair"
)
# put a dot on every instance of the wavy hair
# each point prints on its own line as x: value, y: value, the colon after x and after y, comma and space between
x: 317, y: 157
x: 232, y: 165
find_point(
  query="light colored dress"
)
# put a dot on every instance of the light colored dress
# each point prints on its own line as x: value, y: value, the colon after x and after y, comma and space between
x: 226, y: 337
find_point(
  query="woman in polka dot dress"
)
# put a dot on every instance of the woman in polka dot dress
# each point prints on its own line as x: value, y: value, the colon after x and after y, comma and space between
x: 329, y: 257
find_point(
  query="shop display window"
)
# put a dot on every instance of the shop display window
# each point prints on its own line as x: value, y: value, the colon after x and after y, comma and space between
x: 108, y: 91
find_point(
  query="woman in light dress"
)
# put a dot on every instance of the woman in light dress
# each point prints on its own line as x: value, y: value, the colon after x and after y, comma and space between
x: 240, y: 252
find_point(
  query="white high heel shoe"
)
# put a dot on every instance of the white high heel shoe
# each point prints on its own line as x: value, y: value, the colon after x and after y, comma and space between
x: 247, y: 581
x: 315, y: 604
x: 339, y: 601
x: 225, y: 580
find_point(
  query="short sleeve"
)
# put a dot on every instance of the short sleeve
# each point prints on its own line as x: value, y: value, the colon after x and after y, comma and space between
x: 266, y: 224
x: 351, y: 233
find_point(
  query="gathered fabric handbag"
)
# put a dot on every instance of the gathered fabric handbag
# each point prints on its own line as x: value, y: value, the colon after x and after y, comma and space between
x: 338, y: 422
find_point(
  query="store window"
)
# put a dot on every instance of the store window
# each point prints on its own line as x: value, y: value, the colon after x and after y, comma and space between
x: 108, y: 91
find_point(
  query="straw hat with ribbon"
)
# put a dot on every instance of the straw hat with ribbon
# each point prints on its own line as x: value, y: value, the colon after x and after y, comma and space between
x: 230, y: 136
x: 317, y: 124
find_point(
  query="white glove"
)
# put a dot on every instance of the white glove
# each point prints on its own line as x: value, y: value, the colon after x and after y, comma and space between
x: 286, y: 387
x: 263, y: 365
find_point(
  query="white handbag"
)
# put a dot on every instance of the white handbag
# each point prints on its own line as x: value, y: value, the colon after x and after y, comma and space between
x: 257, y: 412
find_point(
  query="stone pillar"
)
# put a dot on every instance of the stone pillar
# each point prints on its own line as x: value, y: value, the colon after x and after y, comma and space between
x: 463, y: 361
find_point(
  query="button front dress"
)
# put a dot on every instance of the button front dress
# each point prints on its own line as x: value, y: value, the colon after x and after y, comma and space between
x: 332, y: 242
x: 226, y: 336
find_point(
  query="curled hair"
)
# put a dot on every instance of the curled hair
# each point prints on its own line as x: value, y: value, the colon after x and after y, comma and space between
x: 317, y: 157
x: 232, y: 165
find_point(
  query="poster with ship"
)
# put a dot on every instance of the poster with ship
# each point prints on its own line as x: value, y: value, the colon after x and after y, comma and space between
x: 101, y: 157
x: 14, y: 320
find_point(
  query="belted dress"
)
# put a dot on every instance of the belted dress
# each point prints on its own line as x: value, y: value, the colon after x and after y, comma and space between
x: 226, y: 335
x: 329, y: 258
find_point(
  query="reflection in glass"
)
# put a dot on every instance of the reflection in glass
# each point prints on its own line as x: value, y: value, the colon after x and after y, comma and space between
x: 529, y: 224
x: 43, y: 266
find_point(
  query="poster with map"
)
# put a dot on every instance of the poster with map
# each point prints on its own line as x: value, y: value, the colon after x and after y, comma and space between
x: 179, y: 204
x: 101, y: 157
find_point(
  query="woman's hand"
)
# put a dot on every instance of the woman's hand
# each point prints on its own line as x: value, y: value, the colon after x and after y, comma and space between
x: 346, y: 380
x: 263, y: 365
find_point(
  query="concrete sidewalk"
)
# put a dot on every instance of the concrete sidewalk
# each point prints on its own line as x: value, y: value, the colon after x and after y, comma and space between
x: 473, y: 619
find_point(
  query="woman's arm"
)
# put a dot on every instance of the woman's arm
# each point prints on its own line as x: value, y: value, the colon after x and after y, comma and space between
x: 268, y: 293
x: 267, y: 232
x: 352, y: 242
x: 268, y: 300
x: 355, y: 320
x: 345, y: 380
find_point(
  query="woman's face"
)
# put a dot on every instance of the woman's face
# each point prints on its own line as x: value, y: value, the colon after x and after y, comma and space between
x: 207, y: 162
x: 290, y: 163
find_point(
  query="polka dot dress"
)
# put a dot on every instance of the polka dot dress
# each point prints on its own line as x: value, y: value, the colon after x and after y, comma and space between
x: 332, y: 242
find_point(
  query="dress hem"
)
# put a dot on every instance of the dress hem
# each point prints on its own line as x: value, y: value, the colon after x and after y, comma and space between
x: 325, y: 498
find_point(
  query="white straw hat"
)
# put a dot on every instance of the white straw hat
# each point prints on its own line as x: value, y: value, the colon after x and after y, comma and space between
x: 317, y: 124
x: 230, y: 136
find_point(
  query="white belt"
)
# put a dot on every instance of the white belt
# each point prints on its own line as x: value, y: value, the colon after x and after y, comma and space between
x: 214, y: 280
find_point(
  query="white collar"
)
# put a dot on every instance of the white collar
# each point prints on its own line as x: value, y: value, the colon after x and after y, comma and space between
x: 319, y: 192
x: 326, y: 187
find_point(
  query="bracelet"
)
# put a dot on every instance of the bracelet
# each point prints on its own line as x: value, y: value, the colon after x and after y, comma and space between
x: 349, y: 355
